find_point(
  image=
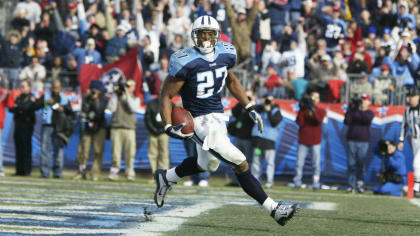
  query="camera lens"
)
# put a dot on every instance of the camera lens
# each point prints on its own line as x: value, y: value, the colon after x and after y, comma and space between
x: 267, y: 102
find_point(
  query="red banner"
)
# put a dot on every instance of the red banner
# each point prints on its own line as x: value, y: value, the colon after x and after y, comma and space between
x: 127, y: 67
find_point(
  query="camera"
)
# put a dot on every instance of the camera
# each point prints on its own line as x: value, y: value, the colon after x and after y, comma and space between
x: 354, y: 104
x: 267, y: 102
x: 306, y: 102
x: 120, y: 88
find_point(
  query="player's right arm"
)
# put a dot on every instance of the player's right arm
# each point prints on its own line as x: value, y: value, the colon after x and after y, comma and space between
x: 171, y: 87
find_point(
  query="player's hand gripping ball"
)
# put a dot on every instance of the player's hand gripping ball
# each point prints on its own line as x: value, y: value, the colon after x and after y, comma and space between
x: 182, y: 124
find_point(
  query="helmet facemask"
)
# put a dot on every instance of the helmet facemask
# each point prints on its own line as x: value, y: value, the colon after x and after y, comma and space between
x: 205, y: 39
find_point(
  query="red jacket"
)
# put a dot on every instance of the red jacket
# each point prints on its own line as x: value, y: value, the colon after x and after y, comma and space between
x: 6, y: 102
x: 310, y: 126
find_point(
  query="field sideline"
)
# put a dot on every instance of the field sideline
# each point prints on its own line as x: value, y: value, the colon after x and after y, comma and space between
x: 31, y: 205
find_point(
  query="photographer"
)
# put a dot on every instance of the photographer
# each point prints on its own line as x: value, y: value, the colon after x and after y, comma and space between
x: 55, y: 130
x: 358, y: 118
x: 93, y: 130
x: 124, y: 105
x: 309, y: 119
x: 393, y: 172
x: 264, y: 143
x: 24, y: 119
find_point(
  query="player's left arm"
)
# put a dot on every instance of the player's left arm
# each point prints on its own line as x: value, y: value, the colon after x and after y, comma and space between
x: 235, y: 87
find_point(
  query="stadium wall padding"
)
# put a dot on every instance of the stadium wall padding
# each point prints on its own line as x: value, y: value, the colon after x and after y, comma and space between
x: 333, y: 151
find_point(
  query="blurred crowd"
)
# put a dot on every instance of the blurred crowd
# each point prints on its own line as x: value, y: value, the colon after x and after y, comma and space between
x: 291, y: 49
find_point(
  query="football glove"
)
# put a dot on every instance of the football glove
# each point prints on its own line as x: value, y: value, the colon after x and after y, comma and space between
x: 175, y: 131
x: 255, y: 116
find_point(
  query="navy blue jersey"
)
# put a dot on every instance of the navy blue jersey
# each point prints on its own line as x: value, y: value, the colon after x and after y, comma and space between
x: 204, y: 78
x: 332, y: 30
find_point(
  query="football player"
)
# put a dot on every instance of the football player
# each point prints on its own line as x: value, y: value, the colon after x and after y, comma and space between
x: 199, y: 75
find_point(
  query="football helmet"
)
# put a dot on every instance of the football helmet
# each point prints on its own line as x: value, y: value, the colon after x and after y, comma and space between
x: 205, y: 42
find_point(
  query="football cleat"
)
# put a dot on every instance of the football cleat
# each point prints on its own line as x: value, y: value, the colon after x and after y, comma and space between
x: 162, y: 186
x: 283, y: 212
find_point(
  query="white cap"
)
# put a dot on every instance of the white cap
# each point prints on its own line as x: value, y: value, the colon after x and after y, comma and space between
x: 405, y: 33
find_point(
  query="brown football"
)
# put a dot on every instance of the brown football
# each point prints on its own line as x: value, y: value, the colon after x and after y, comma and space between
x: 179, y: 116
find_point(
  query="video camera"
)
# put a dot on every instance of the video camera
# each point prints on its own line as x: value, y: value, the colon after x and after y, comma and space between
x: 354, y: 104
x: 306, y: 102
x: 120, y: 87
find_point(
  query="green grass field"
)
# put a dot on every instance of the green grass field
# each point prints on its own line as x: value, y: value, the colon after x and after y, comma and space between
x: 31, y: 205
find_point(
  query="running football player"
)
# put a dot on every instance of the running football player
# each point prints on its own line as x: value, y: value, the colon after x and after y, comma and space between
x: 199, y: 75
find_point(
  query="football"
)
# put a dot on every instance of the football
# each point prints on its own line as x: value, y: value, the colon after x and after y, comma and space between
x: 179, y: 116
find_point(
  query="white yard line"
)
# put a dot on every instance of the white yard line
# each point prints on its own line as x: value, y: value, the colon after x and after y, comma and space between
x: 415, y: 202
x: 171, y: 220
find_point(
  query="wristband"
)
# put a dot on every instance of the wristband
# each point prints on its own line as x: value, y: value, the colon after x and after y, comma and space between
x: 250, y: 104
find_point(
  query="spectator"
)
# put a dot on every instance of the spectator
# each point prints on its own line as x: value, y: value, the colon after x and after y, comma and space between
x: 117, y: 46
x: 383, y: 86
x: 410, y: 126
x: 241, y: 29
x: 405, y: 62
x: 295, y: 57
x: 358, y: 118
x: 279, y: 17
x: 66, y: 35
x: 158, y: 149
x: 33, y: 10
x: 271, y: 55
x: 45, y: 29
x: 309, y: 119
x: 334, y: 28
x: 361, y: 86
x: 11, y: 57
x: 241, y: 129
x: 35, y: 73
x: 361, y: 54
x: 54, y: 104
x: 404, y: 18
x: 93, y: 130
x: 393, y: 172
x: 274, y: 84
x: 124, y: 105
x: 264, y: 143
x: 87, y: 55
x: 323, y: 70
x: 24, y: 119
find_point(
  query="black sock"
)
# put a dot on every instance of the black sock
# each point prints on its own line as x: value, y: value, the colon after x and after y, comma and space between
x: 188, y: 167
x: 252, y: 186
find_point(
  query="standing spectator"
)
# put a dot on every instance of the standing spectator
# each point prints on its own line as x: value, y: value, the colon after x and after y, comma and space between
x: 279, y: 17
x: 241, y: 129
x: 334, y: 27
x: 158, y: 150
x: 87, y: 55
x: 264, y: 143
x: 124, y: 105
x: 411, y: 122
x: 383, y: 86
x: 24, y: 118
x: 116, y: 46
x: 295, y: 57
x: 52, y: 103
x: 323, y: 70
x: 11, y: 58
x: 93, y: 130
x: 393, y: 172
x: 309, y: 119
x: 358, y: 118
x: 241, y: 29
x: 35, y: 73
x: 360, y: 86
x: 271, y: 55
x: 33, y: 10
